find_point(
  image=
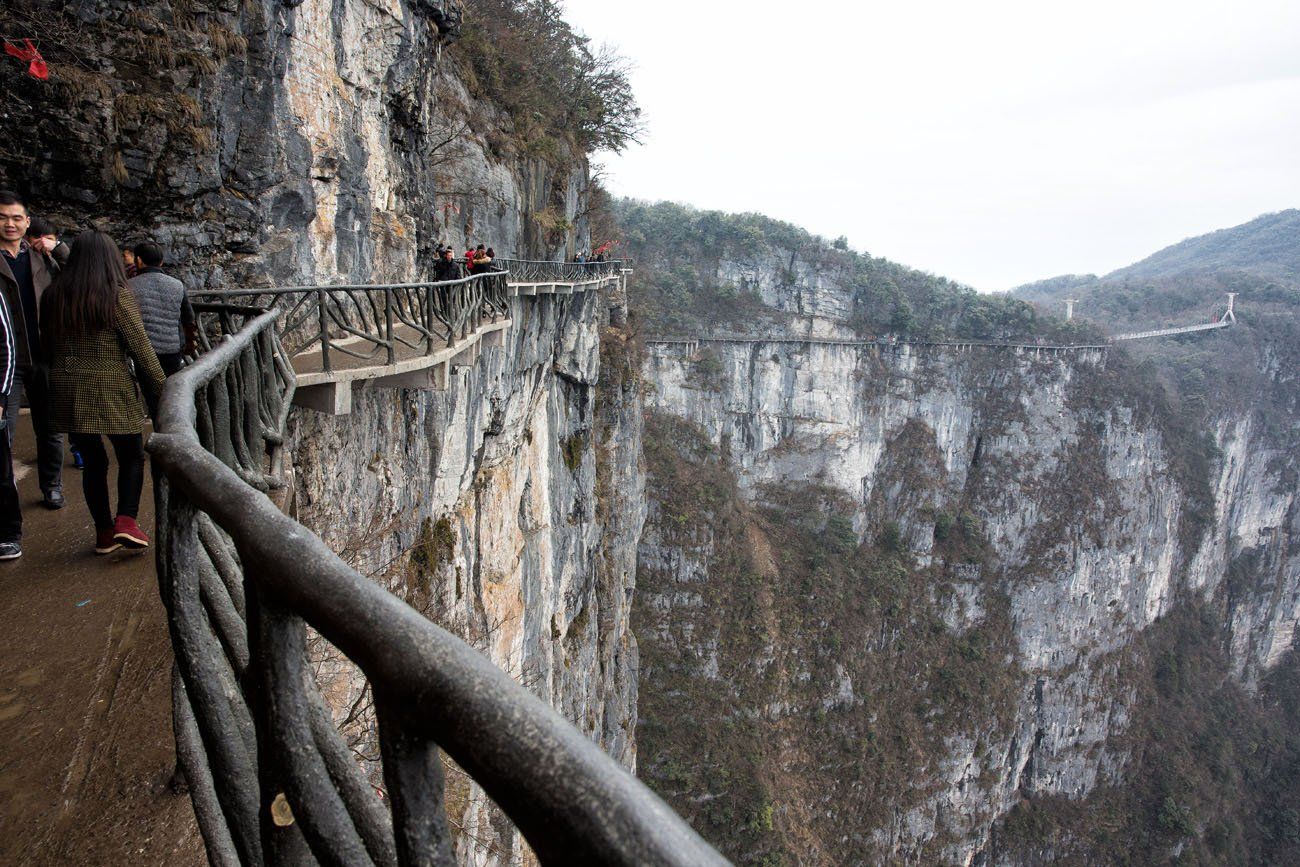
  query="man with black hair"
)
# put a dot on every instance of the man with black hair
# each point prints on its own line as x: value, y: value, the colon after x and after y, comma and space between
x: 41, y: 235
x: 447, y: 268
x: 25, y: 273
x: 164, y: 307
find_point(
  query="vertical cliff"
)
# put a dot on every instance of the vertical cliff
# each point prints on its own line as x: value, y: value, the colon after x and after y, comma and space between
x: 504, y: 508
x: 891, y: 593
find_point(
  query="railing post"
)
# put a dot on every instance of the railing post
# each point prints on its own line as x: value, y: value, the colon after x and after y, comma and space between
x: 428, y: 319
x: 388, y: 325
x: 323, y: 317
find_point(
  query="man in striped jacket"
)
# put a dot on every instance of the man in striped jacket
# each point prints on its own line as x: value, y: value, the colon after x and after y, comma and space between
x: 11, y: 516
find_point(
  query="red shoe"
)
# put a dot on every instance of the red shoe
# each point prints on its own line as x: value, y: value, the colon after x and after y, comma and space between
x: 104, y: 541
x: 128, y: 532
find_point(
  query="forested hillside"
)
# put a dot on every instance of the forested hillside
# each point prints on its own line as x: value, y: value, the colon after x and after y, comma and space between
x: 709, y: 271
x: 1259, y: 260
x: 1267, y: 246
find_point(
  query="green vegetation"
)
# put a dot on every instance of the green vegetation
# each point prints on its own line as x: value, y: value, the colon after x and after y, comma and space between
x: 521, y: 56
x: 1196, y: 381
x: 573, y: 447
x: 706, y: 371
x: 1264, y: 247
x: 681, y: 288
x: 433, y: 550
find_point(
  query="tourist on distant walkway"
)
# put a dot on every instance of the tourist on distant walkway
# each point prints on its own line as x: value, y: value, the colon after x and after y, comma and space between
x: 165, y: 309
x: 11, y: 513
x: 469, y: 260
x: 25, y: 273
x: 41, y: 235
x: 482, y: 260
x: 447, y: 267
x: 91, y: 324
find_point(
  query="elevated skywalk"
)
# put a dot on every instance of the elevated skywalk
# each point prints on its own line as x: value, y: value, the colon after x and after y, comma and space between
x: 691, y: 345
x: 1169, y: 332
x: 411, y: 335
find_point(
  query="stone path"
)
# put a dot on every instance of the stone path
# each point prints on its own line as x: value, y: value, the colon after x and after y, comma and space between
x: 86, y: 750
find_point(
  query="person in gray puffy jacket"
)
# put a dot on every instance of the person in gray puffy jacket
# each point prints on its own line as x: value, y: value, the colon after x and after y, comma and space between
x: 164, y: 307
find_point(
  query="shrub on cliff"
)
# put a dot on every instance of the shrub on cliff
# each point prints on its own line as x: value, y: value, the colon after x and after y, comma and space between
x: 522, y: 56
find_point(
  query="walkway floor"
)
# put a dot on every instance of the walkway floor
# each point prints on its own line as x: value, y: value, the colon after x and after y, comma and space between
x: 86, y: 750
x: 309, y: 362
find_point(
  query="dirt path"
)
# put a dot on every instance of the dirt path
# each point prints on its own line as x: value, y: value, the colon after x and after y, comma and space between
x: 86, y: 748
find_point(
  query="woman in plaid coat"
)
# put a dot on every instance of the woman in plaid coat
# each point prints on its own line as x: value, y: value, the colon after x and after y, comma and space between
x: 91, y: 325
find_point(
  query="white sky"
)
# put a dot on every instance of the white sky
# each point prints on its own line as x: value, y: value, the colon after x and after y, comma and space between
x: 994, y: 142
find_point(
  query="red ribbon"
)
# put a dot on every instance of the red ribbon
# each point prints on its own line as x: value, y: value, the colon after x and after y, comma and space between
x: 28, y: 54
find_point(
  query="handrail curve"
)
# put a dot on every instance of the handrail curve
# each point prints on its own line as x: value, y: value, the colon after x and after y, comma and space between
x: 272, y: 781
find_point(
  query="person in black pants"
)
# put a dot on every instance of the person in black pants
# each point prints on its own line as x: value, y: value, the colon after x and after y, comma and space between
x: 90, y: 321
x: 11, y: 514
x: 25, y: 274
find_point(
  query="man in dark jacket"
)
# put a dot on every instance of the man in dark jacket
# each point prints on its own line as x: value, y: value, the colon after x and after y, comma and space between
x: 25, y: 273
x: 447, y: 268
x: 11, y: 513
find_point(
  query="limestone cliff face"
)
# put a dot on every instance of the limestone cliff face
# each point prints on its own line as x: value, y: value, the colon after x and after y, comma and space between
x: 1039, y: 507
x: 505, y: 509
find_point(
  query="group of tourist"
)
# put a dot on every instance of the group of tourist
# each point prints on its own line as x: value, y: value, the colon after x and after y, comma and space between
x: 83, y: 330
x: 477, y: 260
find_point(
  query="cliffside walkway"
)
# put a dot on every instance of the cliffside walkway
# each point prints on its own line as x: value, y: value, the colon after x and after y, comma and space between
x: 692, y: 344
x: 404, y: 335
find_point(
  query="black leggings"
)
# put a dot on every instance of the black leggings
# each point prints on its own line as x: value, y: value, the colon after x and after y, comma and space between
x: 129, y: 450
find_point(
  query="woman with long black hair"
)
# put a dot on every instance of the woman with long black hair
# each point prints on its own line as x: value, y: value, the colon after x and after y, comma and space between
x: 90, y: 325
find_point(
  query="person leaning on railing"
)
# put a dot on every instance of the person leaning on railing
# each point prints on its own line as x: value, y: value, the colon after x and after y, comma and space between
x: 88, y: 317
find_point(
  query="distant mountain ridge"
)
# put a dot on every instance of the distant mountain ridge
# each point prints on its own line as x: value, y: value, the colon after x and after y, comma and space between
x: 1267, y: 247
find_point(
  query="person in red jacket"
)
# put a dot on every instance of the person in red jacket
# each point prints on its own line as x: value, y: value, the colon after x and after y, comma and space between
x: 469, y: 260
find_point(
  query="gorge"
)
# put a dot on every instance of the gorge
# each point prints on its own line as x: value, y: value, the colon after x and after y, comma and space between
x: 838, y: 580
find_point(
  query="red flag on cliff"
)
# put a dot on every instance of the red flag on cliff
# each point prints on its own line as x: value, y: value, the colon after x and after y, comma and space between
x: 28, y: 54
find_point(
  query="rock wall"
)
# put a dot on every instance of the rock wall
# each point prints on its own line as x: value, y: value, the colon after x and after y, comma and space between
x: 1074, y: 527
x: 480, y: 506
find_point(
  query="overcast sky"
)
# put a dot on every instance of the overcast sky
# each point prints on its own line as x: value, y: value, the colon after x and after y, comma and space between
x: 993, y: 143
